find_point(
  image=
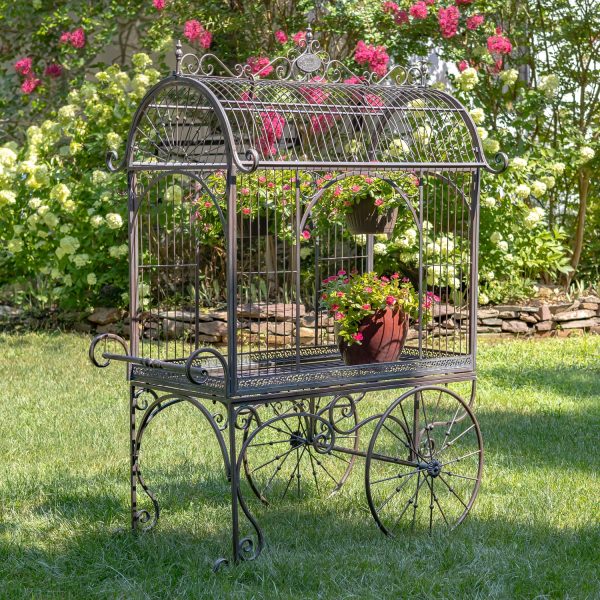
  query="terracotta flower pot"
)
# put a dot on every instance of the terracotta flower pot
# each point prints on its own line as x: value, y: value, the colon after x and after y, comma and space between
x: 364, y: 217
x: 384, y: 334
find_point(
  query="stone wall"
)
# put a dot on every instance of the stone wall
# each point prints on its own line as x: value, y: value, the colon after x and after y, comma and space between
x: 276, y: 325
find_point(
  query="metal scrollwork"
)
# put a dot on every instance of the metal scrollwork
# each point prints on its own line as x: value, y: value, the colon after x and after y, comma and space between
x: 143, y: 404
x: 500, y: 159
x: 191, y: 370
x: 113, y: 163
x: 104, y: 337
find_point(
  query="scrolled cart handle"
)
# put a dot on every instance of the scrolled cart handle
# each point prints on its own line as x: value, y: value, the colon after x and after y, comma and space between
x: 97, y: 340
x: 189, y: 364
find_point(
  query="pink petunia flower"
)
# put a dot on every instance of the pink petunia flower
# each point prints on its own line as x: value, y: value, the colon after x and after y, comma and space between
x: 306, y: 234
x: 53, y: 70
x: 339, y: 316
x: 337, y: 192
x: 246, y: 210
x: 418, y: 10
x: 475, y: 21
x: 245, y: 191
x: 259, y: 65
x: 30, y: 84
x: 368, y: 289
x: 390, y: 300
x: 23, y: 66
x: 355, y: 188
x: 341, y: 273
x: 462, y: 65
x: 366, y: 307
x: 281, y: 36
x: 208, y: 204
x: 335, y: 307
x: 358, y: 337
x: 379, y: 201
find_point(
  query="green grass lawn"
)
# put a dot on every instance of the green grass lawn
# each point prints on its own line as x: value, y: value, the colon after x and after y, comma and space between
x: 534, y: 531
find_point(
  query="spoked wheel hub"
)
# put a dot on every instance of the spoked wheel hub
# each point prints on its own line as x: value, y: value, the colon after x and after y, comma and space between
x: 433, y: 468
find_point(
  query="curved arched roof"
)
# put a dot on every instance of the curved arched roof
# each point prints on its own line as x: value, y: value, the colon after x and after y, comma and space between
x: 210, y: 122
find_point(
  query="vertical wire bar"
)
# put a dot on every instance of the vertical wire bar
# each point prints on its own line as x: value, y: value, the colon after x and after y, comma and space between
x: 133, y: 267
x: 420, y: 327
x: 474, y: 265
x: 297, y: 267
x: 232, y: 298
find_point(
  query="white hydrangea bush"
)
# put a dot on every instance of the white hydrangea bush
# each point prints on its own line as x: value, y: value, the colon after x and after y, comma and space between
x: 63, y: 233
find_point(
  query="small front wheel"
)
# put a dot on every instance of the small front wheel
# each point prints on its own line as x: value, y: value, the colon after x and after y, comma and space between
x: 424, y: 462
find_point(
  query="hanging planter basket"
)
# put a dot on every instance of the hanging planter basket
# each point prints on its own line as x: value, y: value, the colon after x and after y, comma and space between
x: 384, y: 334
x: 365, y: 217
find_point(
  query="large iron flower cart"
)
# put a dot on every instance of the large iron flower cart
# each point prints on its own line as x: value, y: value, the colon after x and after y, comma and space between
x: 232, y: 178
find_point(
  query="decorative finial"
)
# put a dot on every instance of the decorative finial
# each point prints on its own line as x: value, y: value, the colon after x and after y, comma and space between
x: 178, y: 56
x: 309, y: 34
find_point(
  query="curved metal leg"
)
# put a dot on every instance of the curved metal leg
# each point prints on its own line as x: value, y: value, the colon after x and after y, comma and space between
x: 150, y: 411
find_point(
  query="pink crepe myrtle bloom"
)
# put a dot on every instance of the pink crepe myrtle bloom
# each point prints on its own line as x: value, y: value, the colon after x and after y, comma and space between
x: 23, y: 66
x: 266, y: 147
x: 259, y: 65
x: 390, y: 300
x: 314, y: 95
x: 363, y: 53
x: 299, y: 38
x: 321, y: 123
x: 354, y: 80
x: 30, y: 84
x: 357, y: 337
x: 379, y: 61
x: 418, y: 10
x: 498, y: 44
x: 272, y: 125
x: 65, y: 37
x: 374, y: 100
x: 389, y: 7
x: 205, y: 39
x: 281, y: 36
x: 448, y: 21
x: 53, y: 70
x: 475, y: 21
x: 306, y: 234
x: 77, y: 38
x: 401, y: 17
x: 159, y: 4
x: 192, y: 29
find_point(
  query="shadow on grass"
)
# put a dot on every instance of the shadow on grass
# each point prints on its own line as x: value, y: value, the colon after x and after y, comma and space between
x: 312, y: 551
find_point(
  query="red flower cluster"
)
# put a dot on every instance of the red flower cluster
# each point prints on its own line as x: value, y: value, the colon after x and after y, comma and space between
x: 194, y: 31
x: 321, y: 123
x: 448, y: 20
x: 53, y: 70
x: 389, y: 7
x: 281, y: 36
x: 418, y: 10
x: 375, y: 56
x: 76, y: 38
x: 475, y: 21
x: 24, y: 67
x: 498, y: 44
x: 259, y: 65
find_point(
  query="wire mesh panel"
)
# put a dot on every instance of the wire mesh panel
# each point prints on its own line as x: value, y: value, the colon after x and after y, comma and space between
x: 237, y: 178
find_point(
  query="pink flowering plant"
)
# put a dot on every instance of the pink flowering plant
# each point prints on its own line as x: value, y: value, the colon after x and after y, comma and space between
x: 340, y: 197
x: 350, y: 298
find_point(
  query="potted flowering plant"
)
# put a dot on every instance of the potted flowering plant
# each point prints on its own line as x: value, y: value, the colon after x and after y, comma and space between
x: 372, y: 314
x: 369, y: 204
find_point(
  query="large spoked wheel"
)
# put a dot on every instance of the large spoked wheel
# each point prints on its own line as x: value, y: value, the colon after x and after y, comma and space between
x: 293, y: 456
x: 424, y: 462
